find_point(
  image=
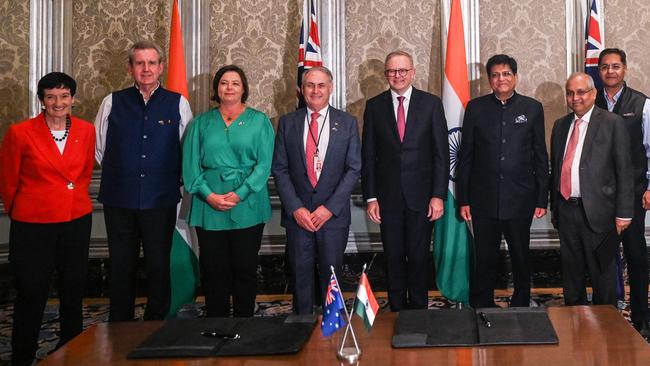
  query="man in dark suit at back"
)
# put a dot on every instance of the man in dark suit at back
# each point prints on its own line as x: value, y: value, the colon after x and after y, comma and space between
x: 316, y: 163
x: 502, y: 179
x: 634, y: 107
x: 592, y: 192
x: 405, y: 173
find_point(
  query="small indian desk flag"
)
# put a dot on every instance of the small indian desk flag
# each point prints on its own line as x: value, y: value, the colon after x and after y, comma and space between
x: 365, y: 305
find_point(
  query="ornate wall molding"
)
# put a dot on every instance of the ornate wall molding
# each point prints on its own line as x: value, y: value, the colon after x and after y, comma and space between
x: 50, y: 48
x: 332, y: 33
x: 195, y: 22
x: 577, y: 12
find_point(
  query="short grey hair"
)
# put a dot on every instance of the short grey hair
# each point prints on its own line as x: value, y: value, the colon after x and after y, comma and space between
x: 590, y: 80
x: 145, y: 45
x: 322, y: 69
x: 399, y: 53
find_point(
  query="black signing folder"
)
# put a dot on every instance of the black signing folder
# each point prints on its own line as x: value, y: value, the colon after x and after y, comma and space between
x: 204, y: 337
x: 469, y: 327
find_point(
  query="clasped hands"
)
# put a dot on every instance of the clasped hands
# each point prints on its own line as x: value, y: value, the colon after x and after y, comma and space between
x: 223, y: 202
x: 312, y: 221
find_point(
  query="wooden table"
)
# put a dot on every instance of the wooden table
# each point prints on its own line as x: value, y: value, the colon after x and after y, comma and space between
x: 589, y: 335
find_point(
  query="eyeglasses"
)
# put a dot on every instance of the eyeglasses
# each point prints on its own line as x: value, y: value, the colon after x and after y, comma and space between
x: 394, y: 72
x: 578, y: 93
x: 613, y: 67
x: 505, y: 75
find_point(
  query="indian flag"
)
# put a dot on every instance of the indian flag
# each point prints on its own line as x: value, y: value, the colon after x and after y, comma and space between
x: 452, y: 238
x: 365, y: 304
x: 184, y: 266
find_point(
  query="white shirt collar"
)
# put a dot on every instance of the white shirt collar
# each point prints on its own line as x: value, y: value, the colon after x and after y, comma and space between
x: 587, y: 116
x: 322, y: 112
x: 406, y: 95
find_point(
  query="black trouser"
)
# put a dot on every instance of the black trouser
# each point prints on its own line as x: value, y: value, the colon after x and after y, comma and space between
x: 228, y: 261
x: 636, y: 255
x: 406, y: 237
x: 126, y: 228
x: 35, y: 252
x: 326, y: 248
x: 583, y: 252
x: 487, y: 244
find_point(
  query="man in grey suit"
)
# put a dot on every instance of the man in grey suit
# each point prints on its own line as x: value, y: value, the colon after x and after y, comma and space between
x: 316, y: 163
x: 592, y: 192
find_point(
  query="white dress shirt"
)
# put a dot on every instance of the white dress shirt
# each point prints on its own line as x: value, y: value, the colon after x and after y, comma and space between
x: 323, y: 139
x: 405, y: 103
x: 407, y: 100
x: 575, y: 166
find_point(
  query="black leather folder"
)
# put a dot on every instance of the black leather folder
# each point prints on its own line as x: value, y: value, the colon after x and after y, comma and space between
x: 469, y: 327
x: 204, y: 337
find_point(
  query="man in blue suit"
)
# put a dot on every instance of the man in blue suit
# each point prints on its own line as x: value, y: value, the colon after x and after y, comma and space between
x: 316, y: 163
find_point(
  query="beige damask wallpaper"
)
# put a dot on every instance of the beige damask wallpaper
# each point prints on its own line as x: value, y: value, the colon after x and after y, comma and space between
x: 628, y: 27
x: 103, y: 31
x: 14, y: 62
x: 262, y: 38
x: 513, y: 27
x: 375, y: 28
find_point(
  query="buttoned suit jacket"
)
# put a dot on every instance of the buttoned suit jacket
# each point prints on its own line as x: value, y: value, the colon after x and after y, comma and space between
x: 340, y: 171
x: 606, y: 174
x: 38, y: 184
x: 413, y: 170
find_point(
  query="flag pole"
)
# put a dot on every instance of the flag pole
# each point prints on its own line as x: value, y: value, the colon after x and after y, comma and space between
x: 348, y: 354
x: 351, y: 311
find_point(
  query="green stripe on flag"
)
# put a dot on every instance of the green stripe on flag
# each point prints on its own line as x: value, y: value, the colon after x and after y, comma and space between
x: 184, y: 270
x: 452, y: 253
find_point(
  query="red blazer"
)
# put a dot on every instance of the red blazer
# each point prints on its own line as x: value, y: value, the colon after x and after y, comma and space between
x: 38, y: 184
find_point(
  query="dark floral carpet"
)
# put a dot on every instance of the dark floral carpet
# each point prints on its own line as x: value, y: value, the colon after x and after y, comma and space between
x: 96, y: 311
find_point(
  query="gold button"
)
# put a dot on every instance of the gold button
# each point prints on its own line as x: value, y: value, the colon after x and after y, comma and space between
x: 70, y: 185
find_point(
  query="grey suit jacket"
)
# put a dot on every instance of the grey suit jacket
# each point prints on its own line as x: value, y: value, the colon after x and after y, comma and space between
x: 606, y: 179
x: 341, y: 168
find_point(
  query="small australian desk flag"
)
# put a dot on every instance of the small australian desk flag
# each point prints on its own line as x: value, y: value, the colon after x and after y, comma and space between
x: 333, y: 319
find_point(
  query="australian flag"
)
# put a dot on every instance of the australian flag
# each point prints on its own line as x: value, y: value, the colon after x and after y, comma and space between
x: 333, y: 319
x: 309, y: 50
x: 593, y: 43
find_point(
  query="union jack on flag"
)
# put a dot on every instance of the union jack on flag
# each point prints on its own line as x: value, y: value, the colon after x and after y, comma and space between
x: 593, y: 43
x: 309, y: 51
x: 333, y: 319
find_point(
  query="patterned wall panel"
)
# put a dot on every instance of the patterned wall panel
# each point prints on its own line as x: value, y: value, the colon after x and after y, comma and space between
x: 103, y: 31
x: 514, y: 27
x: 627, y: 26
x: 14, y: 62
x: 376, y: 28
x: 261, y: 38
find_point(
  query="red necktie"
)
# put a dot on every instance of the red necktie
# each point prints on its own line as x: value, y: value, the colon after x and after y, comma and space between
x: 401, y: 120
x: 565, y: 177
x: 310, y: 148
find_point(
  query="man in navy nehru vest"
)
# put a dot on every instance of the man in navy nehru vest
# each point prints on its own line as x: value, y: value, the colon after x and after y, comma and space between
x: 138, y: 146
x: 634, y: 107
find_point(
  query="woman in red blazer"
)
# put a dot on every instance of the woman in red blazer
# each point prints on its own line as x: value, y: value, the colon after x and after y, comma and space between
x: 46, y: 164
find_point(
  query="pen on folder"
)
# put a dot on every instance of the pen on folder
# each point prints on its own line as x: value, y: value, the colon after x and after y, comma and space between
x: 220, y: 335
x: 485, y: 319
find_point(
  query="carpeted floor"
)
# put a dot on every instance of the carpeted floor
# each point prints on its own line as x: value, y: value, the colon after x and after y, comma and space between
x: 96, y: 310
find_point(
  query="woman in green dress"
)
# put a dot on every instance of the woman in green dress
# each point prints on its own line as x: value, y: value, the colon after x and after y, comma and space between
x: 227, y: 155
